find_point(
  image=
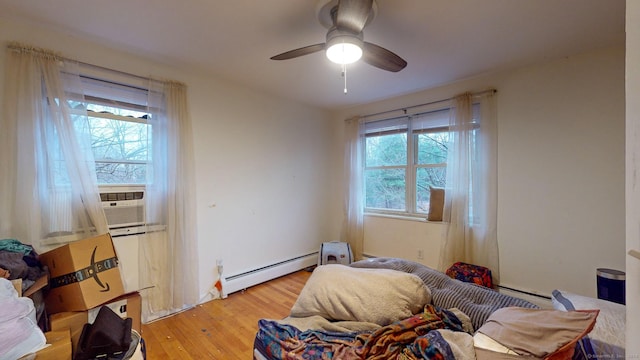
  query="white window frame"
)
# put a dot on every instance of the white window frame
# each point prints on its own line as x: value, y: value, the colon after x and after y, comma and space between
x: 416, y: 165
x: 411, y: 167
x: 110, y: 91
x: 386, y: 211
x: 110, y: 116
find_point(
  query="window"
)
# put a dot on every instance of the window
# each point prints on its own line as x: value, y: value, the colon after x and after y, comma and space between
x: 120, y: 132
x: 385, y: 164
x: 117, y: 131
x: 430, y: 138
x: 119, y: 140
x: 400, y: 169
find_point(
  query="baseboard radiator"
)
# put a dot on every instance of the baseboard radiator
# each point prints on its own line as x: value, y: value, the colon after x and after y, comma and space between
x: 257, y: 276
x: 542, y: 300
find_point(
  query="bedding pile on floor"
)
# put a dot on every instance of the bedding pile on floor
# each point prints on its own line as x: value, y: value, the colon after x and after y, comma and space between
x: 476, y: 301
x: 388, y: 308
x: 410, y: 338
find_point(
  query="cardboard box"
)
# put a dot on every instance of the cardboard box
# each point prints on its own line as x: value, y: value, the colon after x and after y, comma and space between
x: 59, y: 347
x: 129, y: 305
x: 84, y: 274
x: 69, y: 321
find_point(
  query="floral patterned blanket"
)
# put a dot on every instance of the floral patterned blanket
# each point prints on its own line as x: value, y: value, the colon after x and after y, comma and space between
x: 411, y: 338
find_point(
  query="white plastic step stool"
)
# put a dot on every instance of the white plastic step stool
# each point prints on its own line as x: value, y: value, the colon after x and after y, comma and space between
x: 335, y: 252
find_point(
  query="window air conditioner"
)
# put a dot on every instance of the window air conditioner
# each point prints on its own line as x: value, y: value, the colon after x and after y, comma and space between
x: 123, y: 208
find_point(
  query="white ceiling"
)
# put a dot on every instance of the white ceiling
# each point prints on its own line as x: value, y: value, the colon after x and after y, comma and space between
x: 442, y: 40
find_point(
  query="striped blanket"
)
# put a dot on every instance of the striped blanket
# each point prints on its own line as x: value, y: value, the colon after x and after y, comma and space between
x: 411, y: 338
x: 475, y: 301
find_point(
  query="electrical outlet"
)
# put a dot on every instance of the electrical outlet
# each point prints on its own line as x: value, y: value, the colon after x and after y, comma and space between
x: 420, y: 254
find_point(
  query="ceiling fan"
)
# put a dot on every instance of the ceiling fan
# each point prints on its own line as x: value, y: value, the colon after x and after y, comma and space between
x: 345, y: 41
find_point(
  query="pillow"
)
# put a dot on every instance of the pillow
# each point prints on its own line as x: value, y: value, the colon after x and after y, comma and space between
x: 436, y: 203
x: 541, y: 333
x: 608, y: 335
x: 380, y: 296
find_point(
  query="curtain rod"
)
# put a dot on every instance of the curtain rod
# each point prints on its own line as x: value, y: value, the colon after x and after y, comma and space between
x: 404, y: 109
x: 16, y: 46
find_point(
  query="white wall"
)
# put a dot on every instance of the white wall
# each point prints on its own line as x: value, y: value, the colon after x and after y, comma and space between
x: 561, y: 166
x: 561, y: 192
x: 261, y: 160
x: 560, y: 173
x: 633, y: 165
x: 403, y: 238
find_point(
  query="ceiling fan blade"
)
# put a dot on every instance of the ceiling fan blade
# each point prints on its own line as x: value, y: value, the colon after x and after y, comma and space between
x: 382, y: 58
x: 299, y: 52
x: 353, y: 14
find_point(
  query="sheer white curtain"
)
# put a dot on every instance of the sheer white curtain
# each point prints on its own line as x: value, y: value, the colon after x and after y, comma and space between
x: 353, y: 227
x: 471, y: 191
x: 48, y: 185
x: 169, y: 258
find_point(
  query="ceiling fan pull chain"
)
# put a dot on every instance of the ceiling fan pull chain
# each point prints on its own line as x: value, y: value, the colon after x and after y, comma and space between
x: 344, y: 75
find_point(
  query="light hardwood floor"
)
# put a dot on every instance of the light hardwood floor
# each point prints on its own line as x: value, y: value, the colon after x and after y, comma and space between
x: 223, y: 329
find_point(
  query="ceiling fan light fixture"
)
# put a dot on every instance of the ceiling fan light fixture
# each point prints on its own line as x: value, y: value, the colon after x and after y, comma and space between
x: 344, y: 49
x: 346, y: 20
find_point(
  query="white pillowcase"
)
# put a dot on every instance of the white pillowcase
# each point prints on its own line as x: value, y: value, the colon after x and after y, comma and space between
x: 608, y: 335
x: 380, y: 296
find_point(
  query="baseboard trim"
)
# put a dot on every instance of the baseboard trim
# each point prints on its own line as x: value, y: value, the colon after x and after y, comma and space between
x: 524, y: 292
x: 244, y: 280
x: 542, y: 300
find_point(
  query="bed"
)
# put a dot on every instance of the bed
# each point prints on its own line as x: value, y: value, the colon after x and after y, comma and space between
x: 388, y: 308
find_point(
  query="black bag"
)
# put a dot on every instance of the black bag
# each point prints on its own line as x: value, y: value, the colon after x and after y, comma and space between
x: 109, y: 337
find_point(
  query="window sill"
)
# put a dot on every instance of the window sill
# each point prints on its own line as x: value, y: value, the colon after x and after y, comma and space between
x: 418, y: 218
